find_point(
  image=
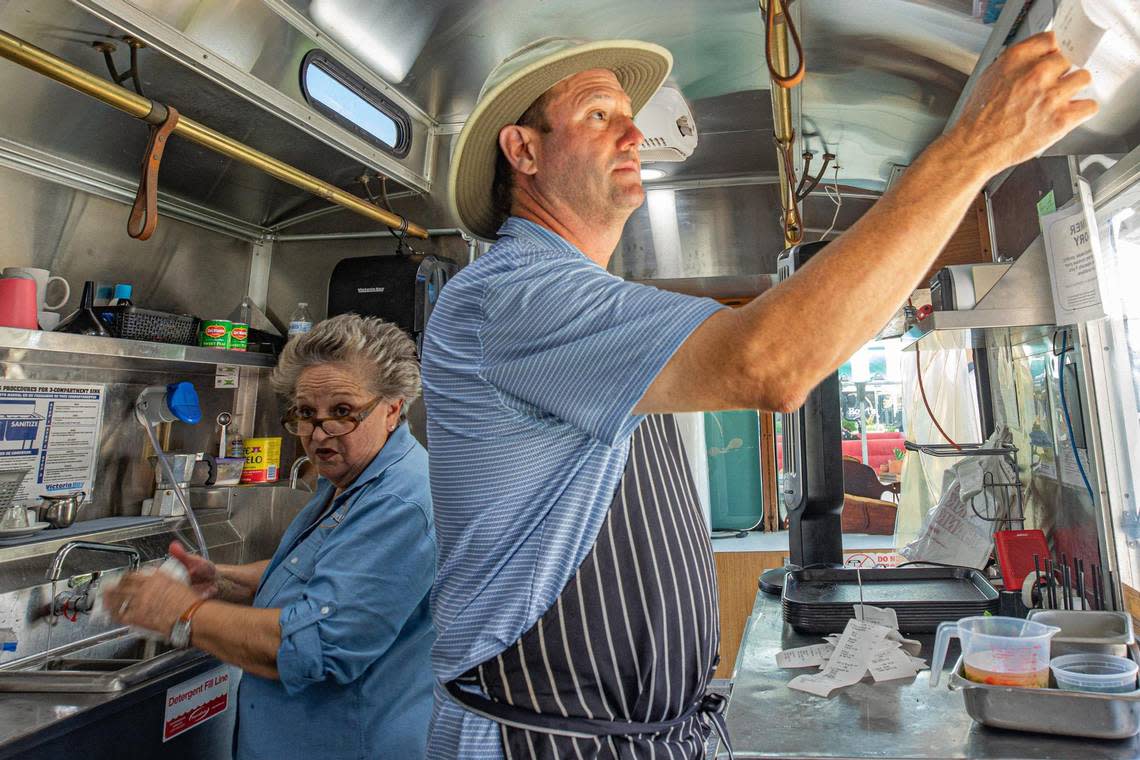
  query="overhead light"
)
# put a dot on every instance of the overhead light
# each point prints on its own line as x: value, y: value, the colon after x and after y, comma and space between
x: 651, y: 174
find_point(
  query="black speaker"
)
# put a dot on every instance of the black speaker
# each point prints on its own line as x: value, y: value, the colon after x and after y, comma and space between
x: 398, y: 289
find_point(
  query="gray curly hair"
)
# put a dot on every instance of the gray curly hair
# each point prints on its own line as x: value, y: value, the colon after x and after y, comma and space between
x: 386, y: 353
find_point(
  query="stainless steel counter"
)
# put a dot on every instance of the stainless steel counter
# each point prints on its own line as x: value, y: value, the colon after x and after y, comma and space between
x: 896, y: 719
x: 30, y: 722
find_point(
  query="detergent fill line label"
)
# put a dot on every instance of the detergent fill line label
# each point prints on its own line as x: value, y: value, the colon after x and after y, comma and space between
x: 52, y: 430
x: 192, y: 703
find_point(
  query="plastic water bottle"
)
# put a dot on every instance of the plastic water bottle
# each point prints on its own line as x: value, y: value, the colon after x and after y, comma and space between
x: 301, y: 321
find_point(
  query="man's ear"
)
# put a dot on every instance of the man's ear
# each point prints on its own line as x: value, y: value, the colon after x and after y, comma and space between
x: 520, y: 146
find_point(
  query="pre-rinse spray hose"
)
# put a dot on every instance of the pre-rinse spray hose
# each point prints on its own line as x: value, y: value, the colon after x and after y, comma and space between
x: 169, y: 471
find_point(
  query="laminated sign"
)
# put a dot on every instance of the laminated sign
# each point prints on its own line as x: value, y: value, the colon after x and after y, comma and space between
x: 51, y: 432
x: 1076, y: 269
x: 192, y: 703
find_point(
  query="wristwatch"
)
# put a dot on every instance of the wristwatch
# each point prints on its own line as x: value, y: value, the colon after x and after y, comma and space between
x: 180, y: 633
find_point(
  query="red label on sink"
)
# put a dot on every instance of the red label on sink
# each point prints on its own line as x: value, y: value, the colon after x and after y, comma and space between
x: 192, y: 703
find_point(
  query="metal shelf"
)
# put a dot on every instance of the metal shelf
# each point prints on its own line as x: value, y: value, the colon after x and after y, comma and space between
x: 1022, y: 300
x: 35, y: 341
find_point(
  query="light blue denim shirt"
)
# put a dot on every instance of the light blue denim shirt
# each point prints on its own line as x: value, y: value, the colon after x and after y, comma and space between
x: 356, y: 635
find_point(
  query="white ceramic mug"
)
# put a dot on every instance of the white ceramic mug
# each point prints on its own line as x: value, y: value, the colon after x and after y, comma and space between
x: 49, y: 320
x: 43, y: 278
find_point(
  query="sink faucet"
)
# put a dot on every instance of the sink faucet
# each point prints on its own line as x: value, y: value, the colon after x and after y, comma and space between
x: 81, y: 598
x: 295, y: 473
x: 56, y: 570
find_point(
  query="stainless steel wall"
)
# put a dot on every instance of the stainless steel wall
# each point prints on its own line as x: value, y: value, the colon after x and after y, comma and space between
x: 82, y: 237
x: 182, y: 268
x: 123, y: 477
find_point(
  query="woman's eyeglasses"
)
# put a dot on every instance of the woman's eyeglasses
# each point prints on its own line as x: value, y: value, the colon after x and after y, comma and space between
x: 333, y: 426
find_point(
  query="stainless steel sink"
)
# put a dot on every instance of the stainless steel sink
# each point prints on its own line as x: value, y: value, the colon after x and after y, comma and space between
x: 110, y: 662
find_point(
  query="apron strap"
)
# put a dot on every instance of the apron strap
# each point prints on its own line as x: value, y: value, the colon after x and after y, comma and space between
x: 709, y: 709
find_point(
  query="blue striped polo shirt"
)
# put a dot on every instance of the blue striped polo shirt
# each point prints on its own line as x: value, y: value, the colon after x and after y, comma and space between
x: 533, y: 361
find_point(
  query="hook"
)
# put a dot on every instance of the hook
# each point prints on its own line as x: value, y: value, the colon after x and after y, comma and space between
x: 107, y: 48
x: 803, y: 192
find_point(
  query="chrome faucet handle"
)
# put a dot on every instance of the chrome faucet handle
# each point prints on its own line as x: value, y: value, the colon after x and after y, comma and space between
x: 295, y: 472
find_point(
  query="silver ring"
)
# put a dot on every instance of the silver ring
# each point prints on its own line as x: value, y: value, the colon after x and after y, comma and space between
x: 123, y: 607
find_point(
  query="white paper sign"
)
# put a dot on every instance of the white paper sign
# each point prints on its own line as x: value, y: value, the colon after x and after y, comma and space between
x: 873, y: 559
x: 52, y: 429
x: 192, y: 703
x: 1072, y: 267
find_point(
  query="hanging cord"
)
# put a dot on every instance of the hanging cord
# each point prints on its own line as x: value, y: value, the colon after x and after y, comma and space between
x: 922, y: 391
x: 797, y: 76
x: 808, y: 182
x: 793, y: 222
x: 1069, y: 419
x: 838, y: 201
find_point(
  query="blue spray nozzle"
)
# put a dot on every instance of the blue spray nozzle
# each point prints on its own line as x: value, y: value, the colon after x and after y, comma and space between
x: 182, y: 400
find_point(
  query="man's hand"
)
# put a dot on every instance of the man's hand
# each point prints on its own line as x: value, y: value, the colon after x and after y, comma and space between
x: 203, y: 572
x: 1022, y: 104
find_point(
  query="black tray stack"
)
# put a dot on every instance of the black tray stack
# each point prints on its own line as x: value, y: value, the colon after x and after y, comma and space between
x: 822, y: 600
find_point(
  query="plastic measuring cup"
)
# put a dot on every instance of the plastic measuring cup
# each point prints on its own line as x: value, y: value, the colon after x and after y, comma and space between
x: 1000, y: 651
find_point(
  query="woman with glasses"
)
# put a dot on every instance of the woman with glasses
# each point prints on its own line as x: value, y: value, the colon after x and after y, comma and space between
x: 333, y: 632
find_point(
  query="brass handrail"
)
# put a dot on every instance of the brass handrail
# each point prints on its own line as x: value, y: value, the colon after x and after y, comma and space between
x: 783, y: 130
x: 36, y: 59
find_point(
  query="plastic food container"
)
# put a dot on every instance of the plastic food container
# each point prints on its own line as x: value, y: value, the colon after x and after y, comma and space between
x: 999, y: 651
x: 1091, y: 671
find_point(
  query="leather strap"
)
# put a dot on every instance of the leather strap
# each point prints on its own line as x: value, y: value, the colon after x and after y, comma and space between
x: 144, y: 212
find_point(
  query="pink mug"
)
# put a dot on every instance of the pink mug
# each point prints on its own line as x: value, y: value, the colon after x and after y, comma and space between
x: 18, y: 303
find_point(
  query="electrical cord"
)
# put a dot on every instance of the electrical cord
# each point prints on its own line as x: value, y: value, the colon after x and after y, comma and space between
x: 793, y: 222
x: 922, y: 391
x: 729, y: 534
x: 1069, y: 419
x: 837, y: 200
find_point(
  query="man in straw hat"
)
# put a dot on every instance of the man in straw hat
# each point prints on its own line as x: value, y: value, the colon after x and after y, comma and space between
x: 576, y: 599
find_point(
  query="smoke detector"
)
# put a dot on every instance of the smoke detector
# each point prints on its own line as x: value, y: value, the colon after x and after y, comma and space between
x: 668, y: 125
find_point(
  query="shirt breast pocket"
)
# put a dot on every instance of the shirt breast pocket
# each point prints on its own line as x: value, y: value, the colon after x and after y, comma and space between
x: 288, y: 578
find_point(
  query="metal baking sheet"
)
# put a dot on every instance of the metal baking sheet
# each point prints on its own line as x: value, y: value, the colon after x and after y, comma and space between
x: 1050, y: 711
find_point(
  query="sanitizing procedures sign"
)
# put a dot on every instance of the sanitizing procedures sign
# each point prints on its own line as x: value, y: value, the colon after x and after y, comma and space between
x: 52, y: 431
x: 192, y: 703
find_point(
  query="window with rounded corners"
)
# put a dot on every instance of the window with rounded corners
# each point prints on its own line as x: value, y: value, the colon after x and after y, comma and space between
x: 346, y: 99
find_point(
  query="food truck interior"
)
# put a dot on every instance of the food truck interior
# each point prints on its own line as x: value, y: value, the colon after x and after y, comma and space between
x: 977, y: 457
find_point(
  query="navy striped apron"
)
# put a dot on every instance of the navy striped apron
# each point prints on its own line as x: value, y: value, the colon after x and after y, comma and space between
x: 618, y: 667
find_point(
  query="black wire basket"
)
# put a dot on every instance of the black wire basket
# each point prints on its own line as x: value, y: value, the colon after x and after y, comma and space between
x: 133, y: 323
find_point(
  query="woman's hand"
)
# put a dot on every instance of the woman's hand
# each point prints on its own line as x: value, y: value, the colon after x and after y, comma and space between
x: 203, y: 572
x: 150, y: 600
